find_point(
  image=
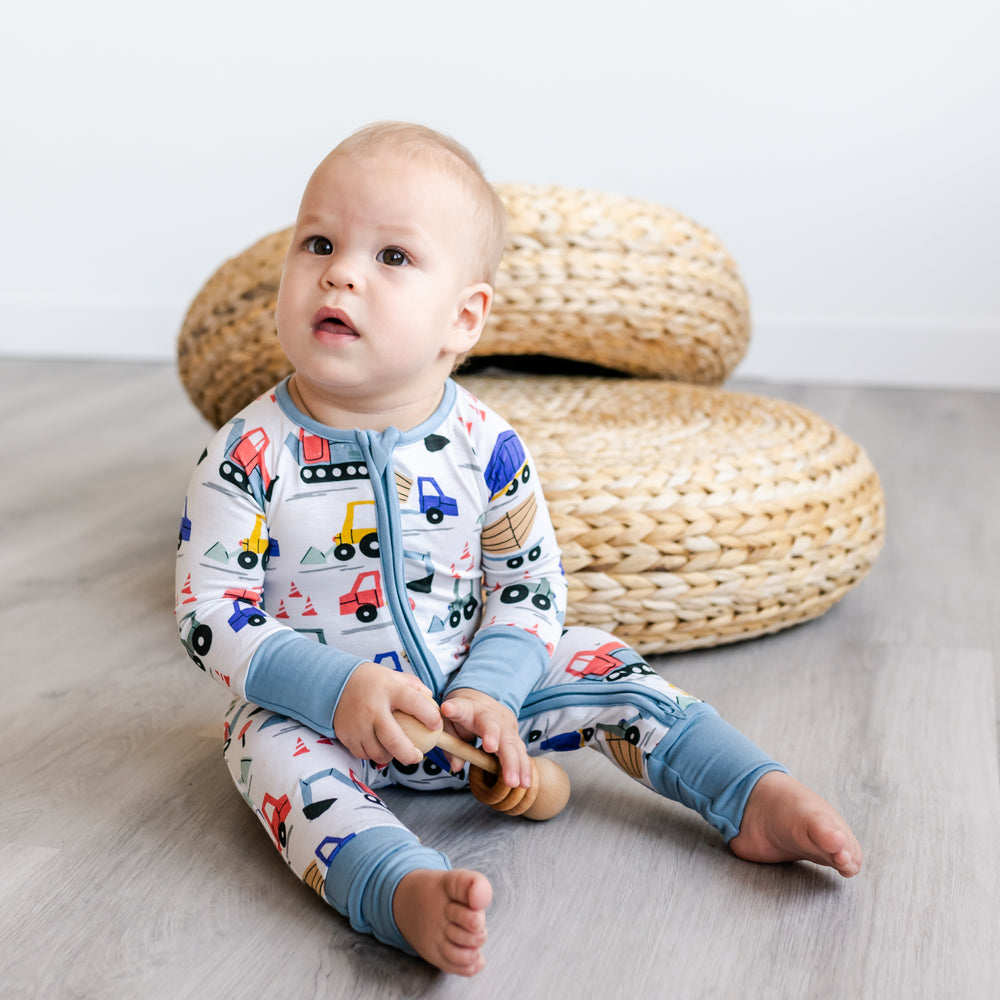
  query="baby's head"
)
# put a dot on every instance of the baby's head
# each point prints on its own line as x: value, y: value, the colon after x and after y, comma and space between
x: 388, y: 278
x: 407, y: 142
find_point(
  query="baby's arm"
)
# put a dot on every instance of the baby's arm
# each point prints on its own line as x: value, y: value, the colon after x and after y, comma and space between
x: 225, y: 543
x: 472, y: 713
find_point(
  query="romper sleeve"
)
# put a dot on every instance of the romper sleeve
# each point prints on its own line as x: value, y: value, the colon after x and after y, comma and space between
x: 523, y: 582
x: 221, y: 618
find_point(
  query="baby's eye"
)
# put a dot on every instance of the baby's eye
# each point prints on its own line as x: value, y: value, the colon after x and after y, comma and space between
x: 392, y: 256
x: 319, y: 245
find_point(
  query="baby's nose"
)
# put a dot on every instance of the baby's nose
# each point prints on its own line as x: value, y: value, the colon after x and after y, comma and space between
x: 341, y: 273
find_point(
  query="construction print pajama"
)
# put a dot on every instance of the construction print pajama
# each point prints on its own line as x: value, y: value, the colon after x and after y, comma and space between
x: 306, y: 550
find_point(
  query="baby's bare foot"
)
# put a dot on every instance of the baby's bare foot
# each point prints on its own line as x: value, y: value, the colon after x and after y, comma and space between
x: 786, y: 821
x: 443, y: 916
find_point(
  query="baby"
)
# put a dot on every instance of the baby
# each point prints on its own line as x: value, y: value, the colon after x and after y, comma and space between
x: 368, y: 537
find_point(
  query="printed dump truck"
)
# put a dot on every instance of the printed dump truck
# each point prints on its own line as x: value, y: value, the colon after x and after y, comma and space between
x: 506, y: 467
x: 244, y: 464
x: 533, y: 555
x: 623, y: 742
x: 511, y: 531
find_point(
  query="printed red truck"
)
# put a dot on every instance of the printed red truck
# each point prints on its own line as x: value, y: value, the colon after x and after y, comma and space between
x: 364, y: 598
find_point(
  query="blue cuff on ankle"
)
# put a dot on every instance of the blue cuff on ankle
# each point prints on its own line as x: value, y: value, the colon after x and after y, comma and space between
x: 720, y: 767
x: 364, y: 873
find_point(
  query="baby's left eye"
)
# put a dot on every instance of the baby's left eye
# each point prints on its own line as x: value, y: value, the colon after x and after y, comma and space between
x: 392, y: 256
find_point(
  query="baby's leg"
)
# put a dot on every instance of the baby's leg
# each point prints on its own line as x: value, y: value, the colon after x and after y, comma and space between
x: 601, y: 694
x: 319, y: 806
x: 785, y: 821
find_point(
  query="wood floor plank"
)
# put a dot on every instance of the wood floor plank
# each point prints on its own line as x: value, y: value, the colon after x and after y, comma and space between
x: 924, y: 814
x: 130, y: 867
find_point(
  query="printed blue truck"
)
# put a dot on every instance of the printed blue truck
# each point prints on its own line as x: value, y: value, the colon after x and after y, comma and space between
x: 505, y: 465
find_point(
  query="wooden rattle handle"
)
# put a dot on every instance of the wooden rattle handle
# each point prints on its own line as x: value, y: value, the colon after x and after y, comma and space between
x: 547, y: 796
x: 425, y: 740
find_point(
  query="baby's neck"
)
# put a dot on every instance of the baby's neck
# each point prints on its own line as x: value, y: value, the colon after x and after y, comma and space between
x: 346, y: 414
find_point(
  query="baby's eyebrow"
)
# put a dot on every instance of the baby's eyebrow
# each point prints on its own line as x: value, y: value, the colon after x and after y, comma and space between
x: 311, y: 222
x: 405, y: 230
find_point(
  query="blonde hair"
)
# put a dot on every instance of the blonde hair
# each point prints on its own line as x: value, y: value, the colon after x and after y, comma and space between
x: 416, y: 141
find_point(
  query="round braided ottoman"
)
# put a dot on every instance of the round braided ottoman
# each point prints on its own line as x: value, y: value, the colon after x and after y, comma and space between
x: 688, y: 516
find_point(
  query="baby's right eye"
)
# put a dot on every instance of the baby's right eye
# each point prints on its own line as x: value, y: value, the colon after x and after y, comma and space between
x: 319, y: 245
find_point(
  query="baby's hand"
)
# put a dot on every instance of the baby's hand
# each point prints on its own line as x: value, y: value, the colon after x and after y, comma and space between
x: 363, y: 720
x: 472, y: 713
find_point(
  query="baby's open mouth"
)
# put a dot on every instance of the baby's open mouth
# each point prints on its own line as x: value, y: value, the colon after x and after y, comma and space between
x: 333, y: 321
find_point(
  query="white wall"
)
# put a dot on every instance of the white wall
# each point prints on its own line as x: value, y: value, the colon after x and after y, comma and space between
x: 846, y: 152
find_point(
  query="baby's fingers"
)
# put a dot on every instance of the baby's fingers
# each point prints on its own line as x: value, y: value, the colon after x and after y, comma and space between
x: 411, y: 703
x: 515, y: 763
x: 419, y: 703
x: 397, y: 745
x: 506, y: 744
x: 461, y: 713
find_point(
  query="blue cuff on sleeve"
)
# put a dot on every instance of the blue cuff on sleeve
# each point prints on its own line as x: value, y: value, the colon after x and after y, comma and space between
x: 504, y: 662
x: 299, y: 678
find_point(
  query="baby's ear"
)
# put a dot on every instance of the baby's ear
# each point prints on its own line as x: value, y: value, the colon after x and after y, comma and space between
x: 473, y: 307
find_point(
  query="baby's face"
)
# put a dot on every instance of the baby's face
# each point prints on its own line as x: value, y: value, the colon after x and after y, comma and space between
x: 376, y: 277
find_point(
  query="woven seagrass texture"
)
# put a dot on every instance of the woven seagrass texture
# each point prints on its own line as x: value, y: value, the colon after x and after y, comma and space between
x: 690, y: 516
x: 228, y: 352
x: 586, y: 276
x: 618, y: 282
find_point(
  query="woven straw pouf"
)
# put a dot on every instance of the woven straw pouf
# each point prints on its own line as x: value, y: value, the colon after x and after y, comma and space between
x: 612, y: 281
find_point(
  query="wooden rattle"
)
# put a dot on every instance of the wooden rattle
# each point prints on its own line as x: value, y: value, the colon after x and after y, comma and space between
x: 547, y: 796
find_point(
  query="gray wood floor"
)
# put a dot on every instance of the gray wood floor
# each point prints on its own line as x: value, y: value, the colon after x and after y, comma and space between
x: 130, y: 867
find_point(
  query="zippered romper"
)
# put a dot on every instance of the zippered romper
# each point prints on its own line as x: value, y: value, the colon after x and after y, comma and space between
x: 305, y: 550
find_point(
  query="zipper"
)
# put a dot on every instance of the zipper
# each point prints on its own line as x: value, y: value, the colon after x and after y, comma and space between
x: 378, y: 449
x: 585, y: 692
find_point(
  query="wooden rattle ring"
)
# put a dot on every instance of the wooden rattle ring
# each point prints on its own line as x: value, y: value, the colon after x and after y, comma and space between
x: 489, y: 789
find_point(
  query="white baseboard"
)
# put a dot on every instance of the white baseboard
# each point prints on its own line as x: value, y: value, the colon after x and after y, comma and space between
x: 809, y: 350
